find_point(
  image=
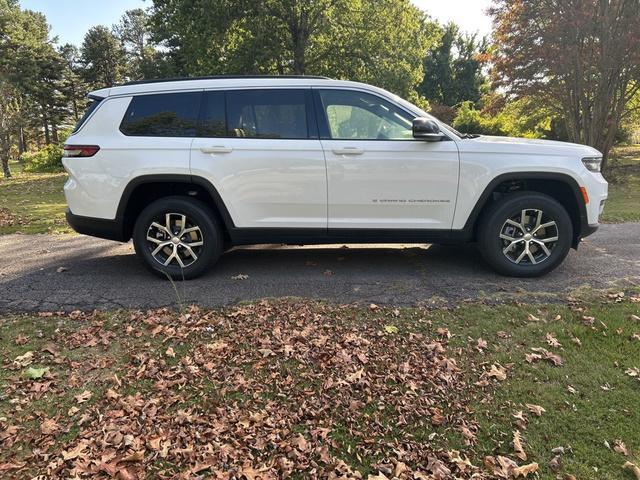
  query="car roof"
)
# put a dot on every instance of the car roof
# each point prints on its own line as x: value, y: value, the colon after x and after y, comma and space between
x: 245, y: 81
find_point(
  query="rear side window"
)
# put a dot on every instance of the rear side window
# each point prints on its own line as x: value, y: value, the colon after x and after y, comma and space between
x: 213, y: 123
x: 95, y: 101
x: 267, y: 114
x: 162, y: 115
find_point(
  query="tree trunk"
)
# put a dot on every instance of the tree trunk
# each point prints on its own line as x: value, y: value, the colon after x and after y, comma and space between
x: 22, y: 144
x: 54, y: 133
x: 5, y: 166
x: 45, y: 125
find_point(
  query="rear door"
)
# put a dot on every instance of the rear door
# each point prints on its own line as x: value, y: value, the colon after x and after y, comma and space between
x: 379, y: 176
x: 260, y: 149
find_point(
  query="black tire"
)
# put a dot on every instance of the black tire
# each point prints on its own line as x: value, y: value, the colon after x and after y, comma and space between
x: 493, y: 224
x: 204, y: 227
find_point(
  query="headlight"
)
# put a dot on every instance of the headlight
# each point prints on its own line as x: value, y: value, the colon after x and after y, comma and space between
x: 593, y: 164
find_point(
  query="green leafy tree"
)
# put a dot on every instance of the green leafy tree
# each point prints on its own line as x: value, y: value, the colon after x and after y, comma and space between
x: 376, y: 41
x: 143, y: 59
x: 102, y: 57
x: 453, y: 68
x: 581, y: 57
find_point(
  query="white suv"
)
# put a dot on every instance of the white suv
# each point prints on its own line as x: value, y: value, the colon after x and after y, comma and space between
x: 189, y: 168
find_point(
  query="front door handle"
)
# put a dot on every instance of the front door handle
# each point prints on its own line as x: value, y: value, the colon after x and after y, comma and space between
x: 216, y: 149
x: 348, y: 151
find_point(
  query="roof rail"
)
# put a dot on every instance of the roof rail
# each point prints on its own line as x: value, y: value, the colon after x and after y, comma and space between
x: 217, y: 77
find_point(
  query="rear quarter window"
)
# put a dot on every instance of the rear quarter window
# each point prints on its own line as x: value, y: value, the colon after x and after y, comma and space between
x: 87, y: 113
x: 162, y: 115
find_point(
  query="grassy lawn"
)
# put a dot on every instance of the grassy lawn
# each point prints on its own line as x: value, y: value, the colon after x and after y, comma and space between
x: 34, y: 202
x: 303, y: 389
x: 623, y: 204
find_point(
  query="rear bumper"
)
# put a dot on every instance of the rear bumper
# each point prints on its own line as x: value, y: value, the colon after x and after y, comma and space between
x: 96, y: 227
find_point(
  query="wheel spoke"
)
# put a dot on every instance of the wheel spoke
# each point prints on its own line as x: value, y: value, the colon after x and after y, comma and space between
x: 514, y: 224
x: 190, y: 251
x: 538, y: 220
x: 544, y: 248
x: 547, y: 240
x: 155, y: 240
x: 183, y: 223
x: 519, y: 259
x: 167, y: 222
x: 544, y: 226
x: 171, y: 257
x: 531, y: 257
x: 523, y: 220
x: 161, y: 227
x: 160, y: 247
x: 507, y: 237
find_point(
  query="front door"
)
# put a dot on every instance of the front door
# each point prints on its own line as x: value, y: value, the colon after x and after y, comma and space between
x: 260, y: 150
x: 379, y: 176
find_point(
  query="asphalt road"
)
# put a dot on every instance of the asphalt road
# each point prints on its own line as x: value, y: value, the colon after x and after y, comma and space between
x: 53, y: 272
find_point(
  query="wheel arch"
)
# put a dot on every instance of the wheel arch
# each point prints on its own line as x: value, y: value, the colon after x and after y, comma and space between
x: 562, y: 187
x: 145, y: 189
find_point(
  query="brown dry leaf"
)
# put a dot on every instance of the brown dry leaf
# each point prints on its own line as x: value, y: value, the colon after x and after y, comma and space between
x: 76, y: 451
x: 24, y: 359
x: 481, y: 345
x: 543, y: 353
x: 49, y: 426
x: 498, y: 372
x: 568, y: 476
x: 517, y: 446
x: 633, y: 468
x: 633, y: 372
x: 620, y: 447
x: 552, y: 341
x: 524, y: 470
x: 83, y: 397
x: 170, y: 352
x: 555, y: 464
x: 537, y: 410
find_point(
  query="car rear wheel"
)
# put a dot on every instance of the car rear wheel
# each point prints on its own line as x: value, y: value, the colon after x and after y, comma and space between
x: 177, y: 237
x: 525, y: 234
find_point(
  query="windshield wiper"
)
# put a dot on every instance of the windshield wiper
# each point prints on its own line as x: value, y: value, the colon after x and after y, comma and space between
x: 470, y: 135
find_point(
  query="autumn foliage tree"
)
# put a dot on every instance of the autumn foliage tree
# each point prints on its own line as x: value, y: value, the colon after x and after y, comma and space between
x: 580, y: 56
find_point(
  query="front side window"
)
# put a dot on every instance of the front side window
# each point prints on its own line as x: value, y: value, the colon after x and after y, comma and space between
x: 267, y: 114
x: 353, y: 115
x: 162, y: 115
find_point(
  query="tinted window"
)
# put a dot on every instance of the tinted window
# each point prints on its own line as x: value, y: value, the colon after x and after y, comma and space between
x: 162, y: 115
x: 267, y: 114
x: 90, y: 108
x: 355, y: 115
x: 213, y: 121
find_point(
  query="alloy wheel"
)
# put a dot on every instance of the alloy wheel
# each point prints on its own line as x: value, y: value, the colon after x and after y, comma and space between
x: 175, y: 240
x: 529, y: 238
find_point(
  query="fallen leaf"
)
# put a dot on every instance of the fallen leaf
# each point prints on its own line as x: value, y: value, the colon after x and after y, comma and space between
x: 391, y: 329
x: 552, y: 341
x: 170, y: 352
x: 517, y: 446
x: 620, y: 447
x: 83, y: 397
x: 632, y: 468
x: 23, y: 360
x: 481, y: 344
x: 498, y: 372
x: 537, y: 410
x: 524, y: 470
x: 49, y: 426
x: 240, y: 276
x: 35, y: 373
x: 555, y: 464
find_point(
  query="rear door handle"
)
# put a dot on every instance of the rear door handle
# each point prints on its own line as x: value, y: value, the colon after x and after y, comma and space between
x: 348, y: 151
x: 216, y: 149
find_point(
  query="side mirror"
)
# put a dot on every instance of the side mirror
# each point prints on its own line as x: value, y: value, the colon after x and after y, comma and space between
x: 426, y: 130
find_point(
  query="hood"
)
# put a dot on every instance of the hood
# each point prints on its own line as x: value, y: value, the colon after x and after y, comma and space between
x: 525, y: 146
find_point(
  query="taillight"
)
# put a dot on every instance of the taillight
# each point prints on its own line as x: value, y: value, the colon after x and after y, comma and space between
x: 77, y: 151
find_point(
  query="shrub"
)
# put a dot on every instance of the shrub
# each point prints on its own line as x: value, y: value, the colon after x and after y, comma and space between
x: 470, y: 120
x: 47, y: 159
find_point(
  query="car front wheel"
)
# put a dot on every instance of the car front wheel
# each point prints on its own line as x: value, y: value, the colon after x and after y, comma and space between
x: 177, y: 237
x: 525, y: 234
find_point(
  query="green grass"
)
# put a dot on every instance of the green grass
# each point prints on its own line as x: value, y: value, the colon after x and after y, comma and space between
x: 623, y: 204
x: 603, y: 409
x: 35, y: 202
